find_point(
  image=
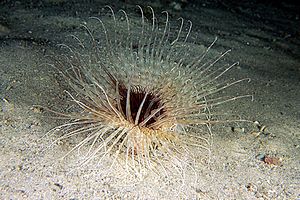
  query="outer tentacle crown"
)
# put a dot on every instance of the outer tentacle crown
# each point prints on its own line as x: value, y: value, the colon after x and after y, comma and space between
x: 140, y: 92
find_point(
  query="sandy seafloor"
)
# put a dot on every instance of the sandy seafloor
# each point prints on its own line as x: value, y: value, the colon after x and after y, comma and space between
x: 264, y: 38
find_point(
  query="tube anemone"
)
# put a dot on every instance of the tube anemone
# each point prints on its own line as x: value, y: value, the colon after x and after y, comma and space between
x: 142, y: 94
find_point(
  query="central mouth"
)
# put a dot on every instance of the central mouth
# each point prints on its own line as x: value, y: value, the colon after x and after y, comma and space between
x: 139, y: 106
